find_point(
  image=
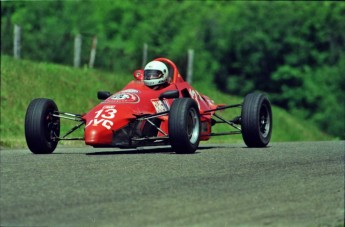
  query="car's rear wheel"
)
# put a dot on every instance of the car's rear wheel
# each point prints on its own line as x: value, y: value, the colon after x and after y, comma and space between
x: 41, y: 128
x: 184, y: 126
x: 256, y: 120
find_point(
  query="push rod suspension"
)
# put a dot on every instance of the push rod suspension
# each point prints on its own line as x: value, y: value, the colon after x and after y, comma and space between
x: 152, y: 115
x: 148, y: 120
x: 228, y: 122
x: 223, y: 107
x: 73, y: 129
x: 68, y: 116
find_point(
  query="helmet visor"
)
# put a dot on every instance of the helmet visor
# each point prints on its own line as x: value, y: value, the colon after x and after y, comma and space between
x: 152, y: 74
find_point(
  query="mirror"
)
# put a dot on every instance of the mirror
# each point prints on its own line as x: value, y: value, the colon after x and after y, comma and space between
x: 103, y: 95
x: 138, y: 74
x: 171, y: 94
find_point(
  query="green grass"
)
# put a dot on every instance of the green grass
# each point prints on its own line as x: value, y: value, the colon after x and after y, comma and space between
x: 75, y: 90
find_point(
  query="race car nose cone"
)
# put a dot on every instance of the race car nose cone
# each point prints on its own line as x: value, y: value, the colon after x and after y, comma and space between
x: 95, y: 136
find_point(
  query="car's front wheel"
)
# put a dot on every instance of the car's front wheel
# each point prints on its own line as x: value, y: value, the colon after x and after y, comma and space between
x: 256, y: 120
x: 41, y: 128
x: 184, y: 126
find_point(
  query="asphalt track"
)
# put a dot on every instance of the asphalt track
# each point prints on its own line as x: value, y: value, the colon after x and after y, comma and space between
x: 286, y: 184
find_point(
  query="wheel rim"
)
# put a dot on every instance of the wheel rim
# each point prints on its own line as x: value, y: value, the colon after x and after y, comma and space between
x: 193, y: 125
x: 265, y: 120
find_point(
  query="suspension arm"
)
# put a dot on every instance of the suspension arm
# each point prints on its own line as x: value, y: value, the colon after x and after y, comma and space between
x: 73, y: 129
x: 68, y: 116
x: 223, y: 107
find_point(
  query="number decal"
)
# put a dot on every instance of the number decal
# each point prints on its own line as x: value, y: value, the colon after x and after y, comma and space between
x: 98, y: 113
x: 110, y: 113
x: 103, y: 114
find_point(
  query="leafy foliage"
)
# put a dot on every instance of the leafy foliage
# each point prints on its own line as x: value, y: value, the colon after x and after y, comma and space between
x: 292, y: 50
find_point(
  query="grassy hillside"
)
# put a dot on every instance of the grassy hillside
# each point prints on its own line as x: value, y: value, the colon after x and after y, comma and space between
x: 74, y: 90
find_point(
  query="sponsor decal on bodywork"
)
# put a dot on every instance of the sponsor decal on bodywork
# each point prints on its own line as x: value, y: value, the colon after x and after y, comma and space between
x: 196, y: 96
x: 130, y: 91
x: 159, y: 105
x: 124, y: 97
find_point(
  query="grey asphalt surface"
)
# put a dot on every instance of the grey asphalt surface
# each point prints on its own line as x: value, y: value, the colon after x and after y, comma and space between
x: 286, y: 184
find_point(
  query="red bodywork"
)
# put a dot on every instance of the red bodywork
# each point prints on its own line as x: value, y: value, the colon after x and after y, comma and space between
x: 114, y: 122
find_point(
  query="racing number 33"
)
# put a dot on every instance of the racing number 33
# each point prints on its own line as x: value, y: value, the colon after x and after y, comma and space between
x: 107, y: 114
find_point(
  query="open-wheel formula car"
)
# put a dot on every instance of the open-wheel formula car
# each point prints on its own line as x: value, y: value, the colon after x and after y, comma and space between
x: 175, y: 115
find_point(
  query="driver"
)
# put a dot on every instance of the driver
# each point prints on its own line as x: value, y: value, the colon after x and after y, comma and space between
x: 156, y: 75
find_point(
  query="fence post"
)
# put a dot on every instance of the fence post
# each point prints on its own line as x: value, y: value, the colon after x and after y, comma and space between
x: 190, y: 66
x: 93, y: 52
x: 16, y: 41
x: 77, y: 50
x: 145, y: 54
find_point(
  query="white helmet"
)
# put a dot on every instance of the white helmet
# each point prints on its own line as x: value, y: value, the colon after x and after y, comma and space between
x: 155, y: 73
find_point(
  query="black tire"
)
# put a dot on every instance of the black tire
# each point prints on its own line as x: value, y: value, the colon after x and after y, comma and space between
x: 41, y: 128
x: 184, y: 126
x: 256, y: 120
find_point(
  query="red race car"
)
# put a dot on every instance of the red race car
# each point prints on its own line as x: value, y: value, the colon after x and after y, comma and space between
x: 140, y: 115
